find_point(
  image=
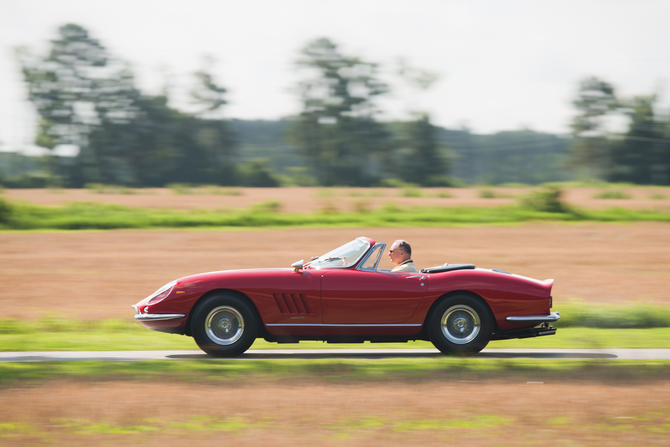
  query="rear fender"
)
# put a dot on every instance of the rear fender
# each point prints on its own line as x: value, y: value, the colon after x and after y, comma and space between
x: 459, y: 292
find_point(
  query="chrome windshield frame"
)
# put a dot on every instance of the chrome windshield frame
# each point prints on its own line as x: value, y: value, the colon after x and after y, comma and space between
x: 370, y: 253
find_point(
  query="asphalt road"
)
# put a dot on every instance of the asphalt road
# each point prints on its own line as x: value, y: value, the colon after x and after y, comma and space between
x: 278, y: 354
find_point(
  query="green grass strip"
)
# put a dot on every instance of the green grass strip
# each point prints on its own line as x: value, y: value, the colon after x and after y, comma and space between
x: 342, y: 428
x: 577, y: 313
x: 140, y: 339
x: 232, y: 371
x: 90, y: 215
x: 574, y: 314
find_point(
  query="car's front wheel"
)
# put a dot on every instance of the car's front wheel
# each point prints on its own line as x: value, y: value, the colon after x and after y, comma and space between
x: 224, y: 325
x: 461, y: 324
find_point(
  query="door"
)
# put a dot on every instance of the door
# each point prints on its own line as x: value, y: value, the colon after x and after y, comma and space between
x: 370, y: 297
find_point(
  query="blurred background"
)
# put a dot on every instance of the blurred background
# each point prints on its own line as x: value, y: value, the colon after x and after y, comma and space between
x: 300, y: 93
x: 221, y: 101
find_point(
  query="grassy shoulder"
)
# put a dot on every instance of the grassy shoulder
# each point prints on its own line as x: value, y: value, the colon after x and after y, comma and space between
x: 71, y: 335
x: 89, y: 215
x: 231, y: 371
x: 137, y: 338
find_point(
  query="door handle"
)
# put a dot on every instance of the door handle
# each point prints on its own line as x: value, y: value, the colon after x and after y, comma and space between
x: 423, y: 278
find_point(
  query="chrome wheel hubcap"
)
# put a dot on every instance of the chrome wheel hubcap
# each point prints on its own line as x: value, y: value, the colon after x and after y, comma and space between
x: 460, y: 324
x: 224, y: 325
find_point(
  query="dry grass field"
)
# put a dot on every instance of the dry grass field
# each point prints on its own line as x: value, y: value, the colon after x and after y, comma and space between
x: 320, y: 414
x: 99, y: 274
x: 307, y: 200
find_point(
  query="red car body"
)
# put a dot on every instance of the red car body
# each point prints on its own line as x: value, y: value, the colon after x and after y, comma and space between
x: 351, y: 302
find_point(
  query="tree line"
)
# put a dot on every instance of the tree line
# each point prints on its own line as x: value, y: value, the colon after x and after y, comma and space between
x: 86, y: 98
x: 640, y: 153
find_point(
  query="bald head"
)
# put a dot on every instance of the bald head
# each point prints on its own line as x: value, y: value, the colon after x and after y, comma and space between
x: 400, y: 251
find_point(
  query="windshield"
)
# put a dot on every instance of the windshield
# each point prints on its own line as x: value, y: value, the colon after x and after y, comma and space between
x: 344, y: 256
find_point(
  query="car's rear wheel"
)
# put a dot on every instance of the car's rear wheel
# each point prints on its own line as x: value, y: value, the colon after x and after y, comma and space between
x: 224, y: 325
x: 461, y: 324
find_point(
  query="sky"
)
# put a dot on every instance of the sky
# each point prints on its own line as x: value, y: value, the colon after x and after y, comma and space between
x: 503, y: 64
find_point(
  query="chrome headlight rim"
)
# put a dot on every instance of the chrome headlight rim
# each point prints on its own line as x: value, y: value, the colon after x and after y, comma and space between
x: 162, y: 293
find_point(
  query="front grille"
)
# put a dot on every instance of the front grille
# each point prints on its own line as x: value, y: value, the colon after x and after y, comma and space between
x: 293, y: 303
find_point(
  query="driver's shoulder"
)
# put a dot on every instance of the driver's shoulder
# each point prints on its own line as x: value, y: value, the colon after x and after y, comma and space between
x: 406, y: 267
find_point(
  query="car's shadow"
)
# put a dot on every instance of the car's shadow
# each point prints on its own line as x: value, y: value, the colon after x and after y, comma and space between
x: 399, y: 355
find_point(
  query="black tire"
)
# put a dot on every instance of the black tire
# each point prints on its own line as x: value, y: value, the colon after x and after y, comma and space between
x: 460, y: 325
x: 224, y: 325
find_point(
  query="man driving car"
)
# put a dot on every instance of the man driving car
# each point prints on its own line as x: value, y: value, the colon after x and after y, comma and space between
x: 401, y: 257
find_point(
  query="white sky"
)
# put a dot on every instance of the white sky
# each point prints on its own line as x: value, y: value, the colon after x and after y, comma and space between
x: 504, y: 64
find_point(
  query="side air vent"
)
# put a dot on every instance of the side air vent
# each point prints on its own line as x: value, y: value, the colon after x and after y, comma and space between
x: 293, y: 303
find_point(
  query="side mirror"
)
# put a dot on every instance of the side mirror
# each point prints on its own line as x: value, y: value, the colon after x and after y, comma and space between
x: 298, y: 265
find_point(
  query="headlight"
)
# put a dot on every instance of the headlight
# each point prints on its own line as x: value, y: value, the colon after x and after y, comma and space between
x: 162, y: 293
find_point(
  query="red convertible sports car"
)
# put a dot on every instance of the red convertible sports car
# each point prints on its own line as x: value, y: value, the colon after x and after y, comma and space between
x: 343, y: 297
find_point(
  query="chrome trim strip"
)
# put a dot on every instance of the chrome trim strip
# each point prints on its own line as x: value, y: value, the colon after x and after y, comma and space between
x: 551, y: 318
x: 158, y: 317
x: 381, y: 253
x: 347, y: 325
